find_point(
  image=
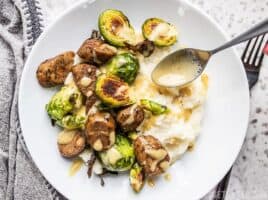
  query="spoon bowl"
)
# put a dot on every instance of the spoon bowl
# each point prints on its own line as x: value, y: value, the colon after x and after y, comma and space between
x: 180, y: 67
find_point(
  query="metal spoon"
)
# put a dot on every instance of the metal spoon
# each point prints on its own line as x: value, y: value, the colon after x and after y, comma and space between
x: 185, y: 65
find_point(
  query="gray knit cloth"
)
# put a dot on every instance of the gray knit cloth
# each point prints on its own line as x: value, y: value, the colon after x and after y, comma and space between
x: 20, y: 25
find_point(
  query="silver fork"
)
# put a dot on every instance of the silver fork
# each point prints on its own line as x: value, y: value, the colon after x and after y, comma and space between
x: 252, y: 62
x: 252, y: 59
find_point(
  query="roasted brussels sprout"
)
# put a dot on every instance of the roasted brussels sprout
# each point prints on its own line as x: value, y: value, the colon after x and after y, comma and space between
x: 120, y: 157
x: 75, y: 120
x: 112, y: 91
x: 64, y: 101
x: 125, y: 66
x: 136, y: 177
x: 153, y: 107
x: 71, y: 143
x: 160, y: 32
x: 114, y: 26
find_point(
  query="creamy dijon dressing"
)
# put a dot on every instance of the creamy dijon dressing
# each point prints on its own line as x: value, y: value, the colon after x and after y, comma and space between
x: 75, y: 166
x: 162, y: 30
x: 66, y: 136
x: 177, y: 71
x: 131, y: 117
x: 128, y: 34
x: 113, y: 155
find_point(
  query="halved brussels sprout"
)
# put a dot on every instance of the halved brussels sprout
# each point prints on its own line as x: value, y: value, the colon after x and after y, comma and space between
x: 64, y: 101
x: 114, y: 26
x: 120, y: 157
x: 136, y: 177
x: 160, y: 32
x: 125, y: 66
x: 75, y: 120
x: 112, y: 91
x: 155, y: 108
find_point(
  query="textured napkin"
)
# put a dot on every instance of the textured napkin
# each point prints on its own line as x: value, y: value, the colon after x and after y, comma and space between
x: 21, y: 22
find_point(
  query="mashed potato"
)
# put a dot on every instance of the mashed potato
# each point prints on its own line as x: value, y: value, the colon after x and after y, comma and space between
x: 178, y: 129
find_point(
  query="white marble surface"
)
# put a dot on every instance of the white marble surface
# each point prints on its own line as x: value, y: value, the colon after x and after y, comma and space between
x: 249, y: 178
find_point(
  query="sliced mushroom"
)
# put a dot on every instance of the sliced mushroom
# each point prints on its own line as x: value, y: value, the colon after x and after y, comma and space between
x: 151, y: 155
x: 53, y: 71
x: 95, y: 35
x: 100, y: 131
x: 71, y: 143
x: 90, y: 101
x: 145, y: 47
x: 130, y: 118
x: 95, y: 51
x: 85, y: 77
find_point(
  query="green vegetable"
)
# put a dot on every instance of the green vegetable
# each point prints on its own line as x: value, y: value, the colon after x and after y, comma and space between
x: 136, y: 177
x: 114, y: 26
x: 125, y: 66
x: 132, y: 135
x: 160, y: 32
x: 103, y: 107
x: 112, y: 91
x: 155, y: 108
x: 120, y: 157
x: 64, y: 101
x: 75, y: 120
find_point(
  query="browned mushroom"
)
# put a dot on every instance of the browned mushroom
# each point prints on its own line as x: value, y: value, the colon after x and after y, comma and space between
x: 85, y: 77
x: 53, y: 71
x: 130, y: 118
x: 100, y: 131
x: 151, y: 155
x: 71, y: 143
x: 95, y: 51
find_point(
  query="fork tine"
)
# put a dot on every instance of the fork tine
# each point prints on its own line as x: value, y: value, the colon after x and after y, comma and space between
x: 261, y: 57
x: 259, y: 49
x: 243, y: 57
x: 252, y: 50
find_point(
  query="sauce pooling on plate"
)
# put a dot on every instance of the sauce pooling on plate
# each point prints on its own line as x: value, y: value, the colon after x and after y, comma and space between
x: 177, y: 70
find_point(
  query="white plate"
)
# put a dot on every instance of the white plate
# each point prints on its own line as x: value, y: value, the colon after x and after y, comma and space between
x: 225, y: 120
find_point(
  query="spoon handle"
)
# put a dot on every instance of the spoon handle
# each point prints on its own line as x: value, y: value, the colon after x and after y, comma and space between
x: 256, y: 30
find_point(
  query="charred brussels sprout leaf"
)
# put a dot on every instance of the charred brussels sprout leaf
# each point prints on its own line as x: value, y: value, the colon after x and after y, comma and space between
x: 112, y: 91
x: 103, y: 107
x: 132, y: 135
x: 75, y: 120
x: 64, y: 101
x: 114, y: 26
x: 120, y: 157
x: 136, y: 177
x: 155, y: 108
x: 160, y: 32
x: 146, y: 48
x: 125, y: 66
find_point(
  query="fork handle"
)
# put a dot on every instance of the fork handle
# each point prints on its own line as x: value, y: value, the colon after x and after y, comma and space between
x: 256, y: 30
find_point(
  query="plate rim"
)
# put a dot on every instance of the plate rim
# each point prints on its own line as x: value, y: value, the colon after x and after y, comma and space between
x: 89, y: 2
